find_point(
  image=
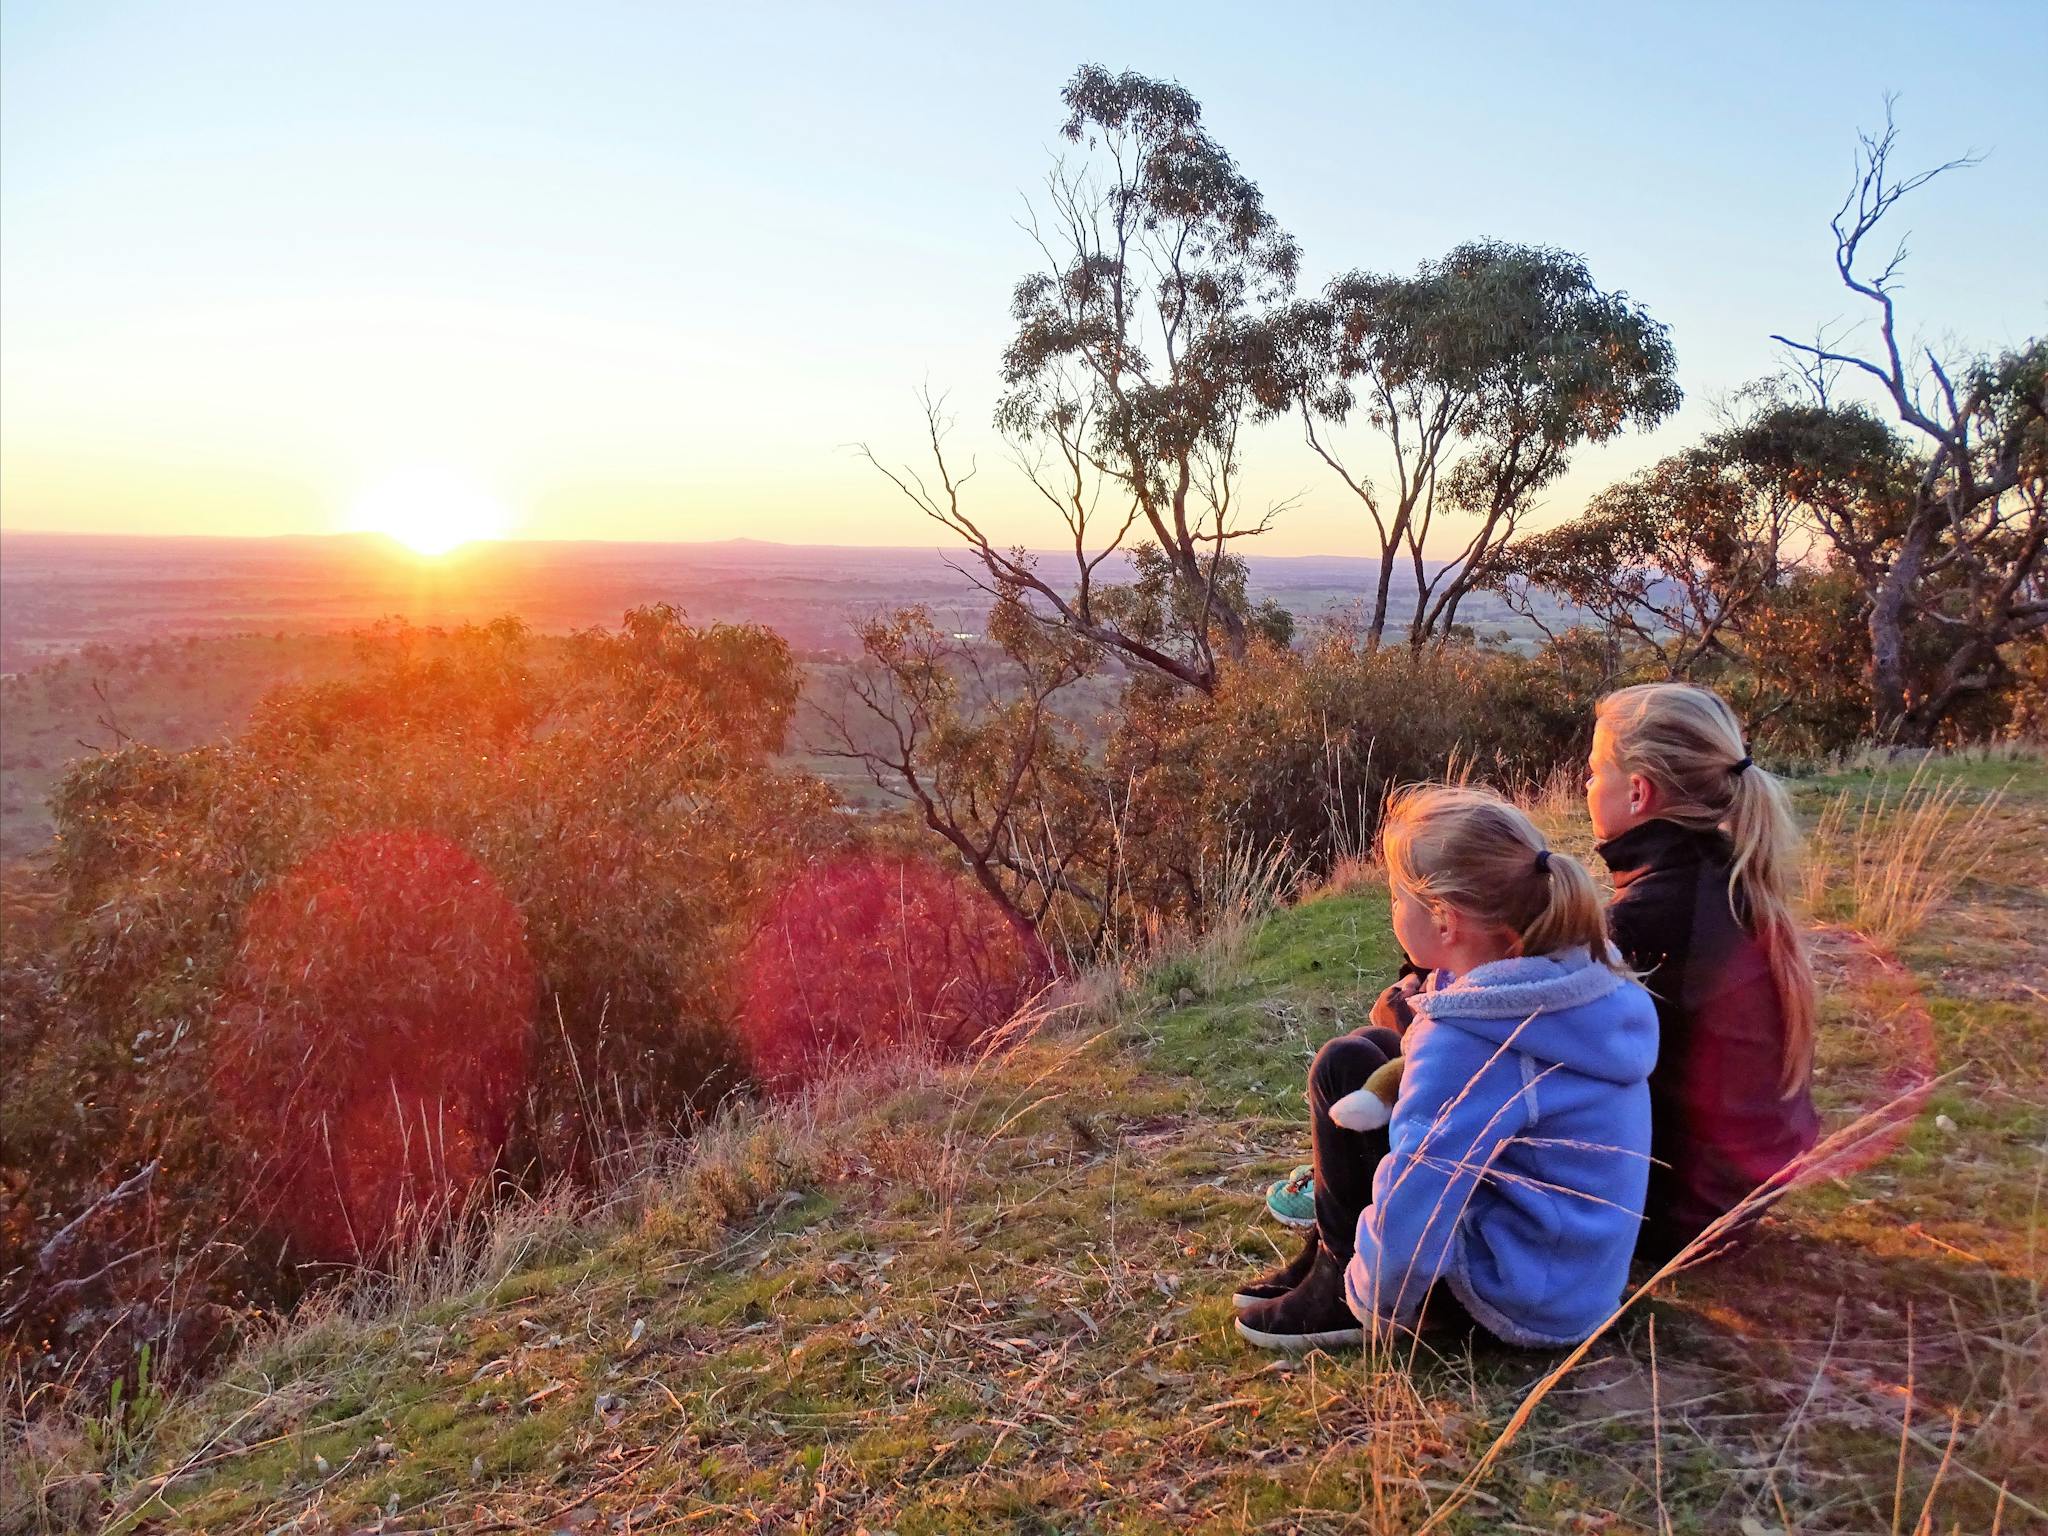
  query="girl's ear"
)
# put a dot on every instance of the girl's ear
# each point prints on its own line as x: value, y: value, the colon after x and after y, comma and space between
x: 1642, y: 795
x: 1450, y: 923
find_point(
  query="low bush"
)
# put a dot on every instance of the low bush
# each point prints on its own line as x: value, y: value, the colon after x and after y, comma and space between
x: 374, y: 1047
x: 867, y: 952
x: 1301, y: 748
x: 459, y: 916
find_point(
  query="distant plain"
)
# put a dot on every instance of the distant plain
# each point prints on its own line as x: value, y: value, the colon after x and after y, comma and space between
x: 172, y: 641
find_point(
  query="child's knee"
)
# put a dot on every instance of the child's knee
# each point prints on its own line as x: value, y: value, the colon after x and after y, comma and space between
x: 1343, y: 1065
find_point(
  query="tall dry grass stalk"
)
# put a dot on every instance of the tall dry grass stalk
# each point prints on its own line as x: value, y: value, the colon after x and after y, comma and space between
x: 1831, y: 1153
x: 1244, y: 888
x: 1882, y: 861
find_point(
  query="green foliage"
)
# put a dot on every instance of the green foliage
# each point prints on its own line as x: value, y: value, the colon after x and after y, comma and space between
x: 622, y: 806
x: 1483, y: 371
x: 117, y: 1437
x: 1113, y: 832
x: 1300, y: 748
x: 1673, y: 557
x: 1179, y: 190
x: 1756, y: 560
x: 1161, y: 609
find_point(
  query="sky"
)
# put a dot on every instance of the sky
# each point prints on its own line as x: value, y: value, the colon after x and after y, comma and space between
x: 650, y: 271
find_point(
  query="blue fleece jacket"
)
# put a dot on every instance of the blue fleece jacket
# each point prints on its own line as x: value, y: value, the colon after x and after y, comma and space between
x: 1520, y: 1150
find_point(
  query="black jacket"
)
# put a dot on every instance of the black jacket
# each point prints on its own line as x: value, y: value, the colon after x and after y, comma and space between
x: 1720, y: 1125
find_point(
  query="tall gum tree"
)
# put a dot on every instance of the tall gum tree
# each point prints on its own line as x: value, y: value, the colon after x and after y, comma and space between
x: 1129, y: 380
x: 1480, y: 373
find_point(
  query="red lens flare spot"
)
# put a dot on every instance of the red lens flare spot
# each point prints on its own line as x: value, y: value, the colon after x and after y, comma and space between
x: 376, y: 1041
x: 868, y: 951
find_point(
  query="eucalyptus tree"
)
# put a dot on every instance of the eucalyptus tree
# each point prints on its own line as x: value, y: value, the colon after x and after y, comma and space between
x: 1128, y: 381
x: 1673, y: 558
x: 1957, y: 564
x: 1480, y: 373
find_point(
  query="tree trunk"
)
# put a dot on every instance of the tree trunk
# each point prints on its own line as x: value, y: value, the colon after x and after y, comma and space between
x: 1378, y: 628
x: 1890, y: 707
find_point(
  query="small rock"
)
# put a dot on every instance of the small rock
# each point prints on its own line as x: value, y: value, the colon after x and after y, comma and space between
x: 1183, y: 997
x: 1945, y: 1125
x: 384, y: 1450
x: 320, y: 1465
x: 476, y: 1466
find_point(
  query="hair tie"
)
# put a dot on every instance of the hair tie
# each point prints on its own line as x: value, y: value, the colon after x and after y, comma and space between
x: 1742, y: 767
x: 1543, y: 861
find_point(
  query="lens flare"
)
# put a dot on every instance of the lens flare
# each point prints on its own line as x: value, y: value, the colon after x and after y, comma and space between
x: 376, y: 1042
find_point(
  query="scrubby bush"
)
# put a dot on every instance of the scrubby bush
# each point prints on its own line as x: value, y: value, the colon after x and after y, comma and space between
x: 373, y: 1051
x: 868, y: 951
x: 462, y: 913
x: 1302, y: 748
x: 1107, y: 832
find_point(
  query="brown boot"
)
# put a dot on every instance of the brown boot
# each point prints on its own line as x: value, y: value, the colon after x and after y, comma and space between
x: 1277, y: 1283
x: 1311, y: 1316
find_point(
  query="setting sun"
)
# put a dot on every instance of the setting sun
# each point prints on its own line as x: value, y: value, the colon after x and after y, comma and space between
x: 430, y: 511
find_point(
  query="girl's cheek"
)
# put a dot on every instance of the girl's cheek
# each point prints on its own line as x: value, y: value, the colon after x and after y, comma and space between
x: 1415, y: 932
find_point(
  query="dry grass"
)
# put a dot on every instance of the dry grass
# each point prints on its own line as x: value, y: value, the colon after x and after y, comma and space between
x: 1882, y: 859
x: 1241, y: 890
x: 989, y: 1295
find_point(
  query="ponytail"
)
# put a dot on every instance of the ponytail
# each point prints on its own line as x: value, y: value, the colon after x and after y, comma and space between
x: 1687, y: 742
x: 1571, y: 913
x: 1468, y: 848
x: 1761, y: 882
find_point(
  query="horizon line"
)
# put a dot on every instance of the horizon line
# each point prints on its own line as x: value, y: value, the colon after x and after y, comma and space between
x: 371, y: 536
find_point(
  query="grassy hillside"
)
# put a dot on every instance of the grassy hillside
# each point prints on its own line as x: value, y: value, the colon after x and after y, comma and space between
x: 995, y: 1297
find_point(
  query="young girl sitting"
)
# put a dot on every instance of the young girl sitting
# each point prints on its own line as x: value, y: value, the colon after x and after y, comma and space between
x: 1514, y: 1166
x: 1701, y: 843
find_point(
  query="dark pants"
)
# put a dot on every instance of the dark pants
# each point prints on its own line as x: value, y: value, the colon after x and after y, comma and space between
x: 1345, y: 1161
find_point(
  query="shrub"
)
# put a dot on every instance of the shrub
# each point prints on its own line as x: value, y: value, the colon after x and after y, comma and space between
x: 468, y: 885
x: 376, y: 1040
x: 1303, y: 747
x: 867, y: 951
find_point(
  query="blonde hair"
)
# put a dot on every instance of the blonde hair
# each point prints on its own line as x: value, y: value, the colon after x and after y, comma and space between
x: 1458, y: 846
x: 1687, y: 742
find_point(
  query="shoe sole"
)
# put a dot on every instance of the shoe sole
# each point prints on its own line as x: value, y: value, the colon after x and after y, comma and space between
x: 1245, y: 1299
x: 1297, y: 1222
x: 1298, y: 1343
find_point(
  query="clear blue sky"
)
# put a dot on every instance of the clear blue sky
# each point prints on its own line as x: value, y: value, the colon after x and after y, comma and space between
x: 646, y: 270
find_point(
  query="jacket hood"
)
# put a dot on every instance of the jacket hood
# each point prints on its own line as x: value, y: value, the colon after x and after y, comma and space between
x: 1566, y: 1008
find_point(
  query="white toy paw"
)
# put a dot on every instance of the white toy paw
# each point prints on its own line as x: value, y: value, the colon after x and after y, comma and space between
x: 1361, y: 1111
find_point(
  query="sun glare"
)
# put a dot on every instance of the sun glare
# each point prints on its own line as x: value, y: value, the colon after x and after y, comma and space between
x: 430, y: 511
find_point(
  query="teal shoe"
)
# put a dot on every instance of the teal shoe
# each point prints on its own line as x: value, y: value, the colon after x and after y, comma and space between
x: 1292, y: 1200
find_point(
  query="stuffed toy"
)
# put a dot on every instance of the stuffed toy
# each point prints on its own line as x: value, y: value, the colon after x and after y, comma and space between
x: 1373, y: 1105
